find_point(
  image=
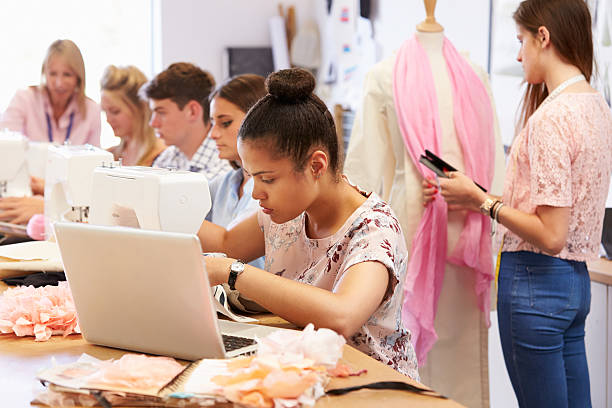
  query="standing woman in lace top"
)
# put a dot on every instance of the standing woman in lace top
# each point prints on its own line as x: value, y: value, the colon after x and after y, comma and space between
x: 552, y: 208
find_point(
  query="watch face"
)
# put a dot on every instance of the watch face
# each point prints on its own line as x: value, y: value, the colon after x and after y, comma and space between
x: 485, y: 207
x: 237, y: 266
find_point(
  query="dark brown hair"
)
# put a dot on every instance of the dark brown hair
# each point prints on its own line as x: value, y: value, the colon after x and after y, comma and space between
x: 292, y: 120
x: 243, y: 90
x: 183, y: 82
x: 569, y: 25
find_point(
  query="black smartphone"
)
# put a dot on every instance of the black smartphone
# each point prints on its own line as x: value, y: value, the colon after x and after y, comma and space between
x: 439, y: 166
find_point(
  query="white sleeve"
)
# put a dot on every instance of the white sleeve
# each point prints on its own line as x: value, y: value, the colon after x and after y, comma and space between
x: 370, y: 162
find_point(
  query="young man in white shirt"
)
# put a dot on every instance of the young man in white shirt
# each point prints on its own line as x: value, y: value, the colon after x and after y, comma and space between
x: 178, y: 98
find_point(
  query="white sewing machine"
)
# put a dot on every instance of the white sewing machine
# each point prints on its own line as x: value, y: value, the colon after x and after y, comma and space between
x: 68, y: 181
x: 36, y: 158
x: 14, y: 176
x: 149, y: 198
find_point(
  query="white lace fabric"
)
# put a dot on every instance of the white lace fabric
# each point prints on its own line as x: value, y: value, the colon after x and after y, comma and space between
x: 563, y: 158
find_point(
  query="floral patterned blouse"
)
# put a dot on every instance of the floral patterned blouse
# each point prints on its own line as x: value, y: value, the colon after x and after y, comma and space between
x: 371, y: 233
x: 563, y: 158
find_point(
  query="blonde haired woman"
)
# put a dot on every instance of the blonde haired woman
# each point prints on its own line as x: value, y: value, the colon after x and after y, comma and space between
x: 129, y: 116
x: 57, y: 110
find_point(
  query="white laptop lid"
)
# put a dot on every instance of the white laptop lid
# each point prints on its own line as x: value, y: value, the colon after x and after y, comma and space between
x: 144, y: 290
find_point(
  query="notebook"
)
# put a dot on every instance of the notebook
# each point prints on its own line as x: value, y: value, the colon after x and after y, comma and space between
x: 147, y: 291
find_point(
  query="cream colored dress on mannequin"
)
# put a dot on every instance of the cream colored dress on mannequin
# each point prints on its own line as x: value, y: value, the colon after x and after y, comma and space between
x: 457, y: 365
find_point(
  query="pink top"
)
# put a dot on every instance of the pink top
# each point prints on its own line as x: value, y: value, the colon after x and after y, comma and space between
x: 371, y: 233
x: 26, y: 114
x: 563, y: 158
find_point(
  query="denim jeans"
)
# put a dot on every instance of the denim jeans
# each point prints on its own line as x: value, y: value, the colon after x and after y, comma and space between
x: 542, y: 304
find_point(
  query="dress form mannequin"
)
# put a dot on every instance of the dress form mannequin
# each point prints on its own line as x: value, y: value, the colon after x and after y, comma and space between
x: 377, y: 160
x: 430, y: 25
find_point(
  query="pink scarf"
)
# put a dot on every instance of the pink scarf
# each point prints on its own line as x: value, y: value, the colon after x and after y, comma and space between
x: 416, y: 105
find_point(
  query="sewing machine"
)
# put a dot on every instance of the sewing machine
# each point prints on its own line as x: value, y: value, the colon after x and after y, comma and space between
x: 36, y: 158
x: 14, y: 177
x: 68, y: 181
x: 149, y: 198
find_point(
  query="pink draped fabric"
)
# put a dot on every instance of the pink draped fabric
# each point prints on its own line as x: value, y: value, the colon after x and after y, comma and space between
x: 416, y: 106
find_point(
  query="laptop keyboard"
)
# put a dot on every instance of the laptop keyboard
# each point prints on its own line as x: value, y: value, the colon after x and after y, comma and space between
x: 234, y: 342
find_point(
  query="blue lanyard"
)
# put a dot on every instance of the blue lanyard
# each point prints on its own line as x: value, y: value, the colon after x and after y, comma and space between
x: 50, y: 130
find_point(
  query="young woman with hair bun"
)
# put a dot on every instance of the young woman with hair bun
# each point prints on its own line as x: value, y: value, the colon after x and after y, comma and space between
x: 335, y: 256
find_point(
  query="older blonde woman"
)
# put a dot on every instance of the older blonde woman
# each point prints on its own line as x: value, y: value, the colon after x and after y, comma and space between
x: 57, y: 110
x: 129, y: 116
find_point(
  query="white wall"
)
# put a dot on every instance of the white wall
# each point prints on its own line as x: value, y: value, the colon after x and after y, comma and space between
x: 198, y: 31
x: 465, y: 22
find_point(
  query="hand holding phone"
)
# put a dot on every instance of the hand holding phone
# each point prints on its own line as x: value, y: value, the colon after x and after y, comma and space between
x: 439, y: 166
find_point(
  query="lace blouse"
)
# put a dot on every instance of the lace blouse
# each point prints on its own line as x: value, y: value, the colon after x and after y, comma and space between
x: 563, y: 158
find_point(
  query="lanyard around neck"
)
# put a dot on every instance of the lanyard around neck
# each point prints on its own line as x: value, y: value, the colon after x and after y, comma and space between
x: 555, y: 92
x: 50, y: 129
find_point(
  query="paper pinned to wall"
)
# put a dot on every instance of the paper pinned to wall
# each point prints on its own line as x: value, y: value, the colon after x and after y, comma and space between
x: 278, y: 37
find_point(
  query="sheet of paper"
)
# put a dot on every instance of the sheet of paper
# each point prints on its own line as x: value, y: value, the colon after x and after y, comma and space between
x: 223, y: 307
x: 74, y: 375
x: 31, y: 251
x: 200, y: 379
x: 31, y: 256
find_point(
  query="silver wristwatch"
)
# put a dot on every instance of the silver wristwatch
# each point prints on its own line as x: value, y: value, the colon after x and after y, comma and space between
x: 236, y: 268
x: 485, y: 207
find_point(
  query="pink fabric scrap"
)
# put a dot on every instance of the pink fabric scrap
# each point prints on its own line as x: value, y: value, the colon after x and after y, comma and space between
x: 136, y: 371
x: 39, y: 312
x: 416, y: 106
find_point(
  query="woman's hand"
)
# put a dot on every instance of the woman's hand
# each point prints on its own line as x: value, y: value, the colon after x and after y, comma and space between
x: 460, y: 192
x: 37, y: 185
x: 430, y: 189
x: 19, y: 210
x: 217, y: 269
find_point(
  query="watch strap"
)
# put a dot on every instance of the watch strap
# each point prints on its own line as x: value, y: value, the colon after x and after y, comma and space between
x: 236, y: 268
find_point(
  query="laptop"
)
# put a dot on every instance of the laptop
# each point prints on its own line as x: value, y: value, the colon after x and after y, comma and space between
x: 147, y: 291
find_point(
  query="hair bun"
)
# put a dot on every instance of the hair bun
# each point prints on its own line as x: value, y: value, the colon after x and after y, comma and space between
x: 290, y: 85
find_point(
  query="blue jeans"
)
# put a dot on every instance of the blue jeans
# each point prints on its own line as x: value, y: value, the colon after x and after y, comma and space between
x: 542, y: 305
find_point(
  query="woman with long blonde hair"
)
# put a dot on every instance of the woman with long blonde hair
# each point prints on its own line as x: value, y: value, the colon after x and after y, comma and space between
x: 129, y: 116
x: 57, y: 110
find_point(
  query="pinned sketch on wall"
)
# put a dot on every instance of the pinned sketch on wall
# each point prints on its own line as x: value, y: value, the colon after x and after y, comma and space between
x: 348, y: 54
x: 602, y: 38
x: 278, y: 38
x: 603, y: 23
x: 504, y: 45
x: 305, y: 47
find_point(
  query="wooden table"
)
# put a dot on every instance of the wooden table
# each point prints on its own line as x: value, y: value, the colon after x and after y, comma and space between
x: 601, y: 271
x: 22, y: 357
